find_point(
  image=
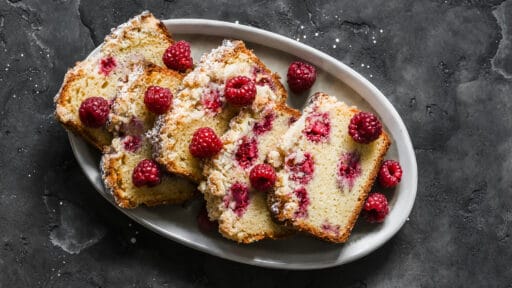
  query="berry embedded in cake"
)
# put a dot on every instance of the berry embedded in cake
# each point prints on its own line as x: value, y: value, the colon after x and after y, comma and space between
x: 326, y: 175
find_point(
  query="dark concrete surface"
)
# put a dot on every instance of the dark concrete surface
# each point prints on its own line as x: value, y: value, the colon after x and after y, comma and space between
x: 445, y: 65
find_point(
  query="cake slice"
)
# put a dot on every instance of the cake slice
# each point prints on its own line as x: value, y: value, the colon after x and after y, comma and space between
x: 245, y: 217
x: 143, y: 37
x: 202, y: 104
x: 118, y: 164
x: 325, y: 176
x: 131, y: 119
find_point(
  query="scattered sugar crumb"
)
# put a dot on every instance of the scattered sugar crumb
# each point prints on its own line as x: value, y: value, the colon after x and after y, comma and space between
x: 133, y: 240
x: 381, y: 30
x: 316, y: 34
x: 334, y: 46
x: 337, y: 40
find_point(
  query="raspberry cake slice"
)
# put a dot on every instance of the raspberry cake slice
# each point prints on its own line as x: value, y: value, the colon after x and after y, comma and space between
x: 127, y: 168
x: 202, y: 103
x: 325, y: 175
x: 239, y: 207
x: 142, y: 37
x: 132, y: 184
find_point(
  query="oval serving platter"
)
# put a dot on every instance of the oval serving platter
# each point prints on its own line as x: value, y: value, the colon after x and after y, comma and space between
x: 298, y: 252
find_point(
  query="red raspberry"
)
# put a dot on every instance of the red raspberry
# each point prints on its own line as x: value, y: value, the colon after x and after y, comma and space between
x: 302, y: 195
x: 205, y: 143
x: 146, y: 173
x: 94, y: 112
x: 158, y: 99
x: 107, y: 64
x: 177, y: 56
x: 264, y: 125
x: 318, y: 127
x: 301, y: 171
x: 240, y: 91
x: 240, y: 194
x: 132, y: 143
x: 390, y: 174
x: 376, y: 208
x: 263, y: 177
x: 301, y: 76
x: 364, y: 127
x: 247, y: 152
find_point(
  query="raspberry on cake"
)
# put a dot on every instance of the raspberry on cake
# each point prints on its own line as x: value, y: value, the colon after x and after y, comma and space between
x: 325, y: 175
x: 235, y: 190
x: 128, y: 169
x: 204, y: 103
x: 143, y: 37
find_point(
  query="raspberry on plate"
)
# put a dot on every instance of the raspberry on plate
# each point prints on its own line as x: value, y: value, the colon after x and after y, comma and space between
x: 146, y: 173
x: 240, y: 91
x: 158, y: 99
x: 390, y: 174
x: 177, y: 56
x: 262, y: 177
x: 376, y: 208
x: 301, y: 76
x: 364, y: 127
x: 94, y: 111
x: 205, y: 143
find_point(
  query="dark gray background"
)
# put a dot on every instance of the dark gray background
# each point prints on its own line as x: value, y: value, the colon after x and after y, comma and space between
x: 445, y: 65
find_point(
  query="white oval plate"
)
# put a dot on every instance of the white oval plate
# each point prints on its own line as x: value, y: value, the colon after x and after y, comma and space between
x: 300, y: 251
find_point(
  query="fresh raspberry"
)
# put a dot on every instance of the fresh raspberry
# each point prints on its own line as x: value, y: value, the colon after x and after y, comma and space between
x: 390, y: 174
x: 318, y: 127
x: 247, y: 152
x: 349, y: 169
x: 205, y: 143
x: 132, y: 143
x: 94, y: 112
x: 107, y: 64
x: 301, y: 76
x: 376, y: 208
x: 263, y: 177
x: 158, y: 99
x: 203, y: 221
x: 146, y: 173
x: 240, y: 91
x: 364, y: 127
x: 302, y: 195
x: 177, y: 56
x: 301, y: 168
x: 240, y: 195
x: 265, y: 125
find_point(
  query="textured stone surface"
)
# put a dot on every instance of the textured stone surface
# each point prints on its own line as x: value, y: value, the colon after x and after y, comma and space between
x: 445, y: 65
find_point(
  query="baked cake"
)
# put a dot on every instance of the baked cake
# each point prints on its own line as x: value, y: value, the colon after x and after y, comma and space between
x: 131, y: 118
x: 325, y: 175
x: 144, y: 36
x: 118, y: 165
x: 245, y: 217
x: 202, y: 103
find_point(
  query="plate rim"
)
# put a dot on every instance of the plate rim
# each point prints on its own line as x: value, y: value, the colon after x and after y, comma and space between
x: 310, y: 54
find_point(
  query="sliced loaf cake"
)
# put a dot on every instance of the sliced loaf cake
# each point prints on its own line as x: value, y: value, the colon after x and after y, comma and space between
x: 202, y: 104
x: 241, y: 210
x: 143, y: 37
x: 325, y: 175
